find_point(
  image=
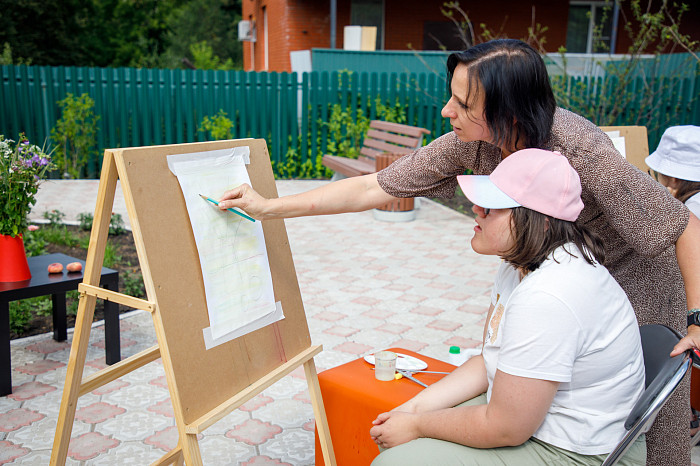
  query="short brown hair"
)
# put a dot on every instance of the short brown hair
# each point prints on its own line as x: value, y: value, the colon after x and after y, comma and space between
x: 686, y: 189
x: 536, y: 235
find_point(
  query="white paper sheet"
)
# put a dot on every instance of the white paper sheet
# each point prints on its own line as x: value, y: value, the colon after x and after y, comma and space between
x: 232, y: 252
x: 618, y: 141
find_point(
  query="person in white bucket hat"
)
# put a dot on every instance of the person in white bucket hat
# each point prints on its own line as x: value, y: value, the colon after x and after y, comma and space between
x: 676, y: 162
x: 561, y: 366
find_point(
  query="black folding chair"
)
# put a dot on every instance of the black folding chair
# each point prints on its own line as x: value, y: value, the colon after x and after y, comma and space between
x: 663, y: 374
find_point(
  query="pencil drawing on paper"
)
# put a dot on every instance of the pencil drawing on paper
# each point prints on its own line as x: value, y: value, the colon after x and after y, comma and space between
x: 232, y: 251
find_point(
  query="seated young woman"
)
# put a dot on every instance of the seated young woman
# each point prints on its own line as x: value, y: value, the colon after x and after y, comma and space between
x: 562, y: 364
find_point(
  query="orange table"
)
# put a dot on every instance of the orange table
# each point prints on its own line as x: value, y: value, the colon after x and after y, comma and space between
x: 353, y: 398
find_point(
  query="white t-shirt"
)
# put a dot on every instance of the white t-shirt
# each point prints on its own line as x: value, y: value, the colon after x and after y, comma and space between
x: 694, y: 204
x: 570, y: 322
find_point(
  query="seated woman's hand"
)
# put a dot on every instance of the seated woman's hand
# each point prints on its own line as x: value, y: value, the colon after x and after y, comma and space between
x: 394, y: 428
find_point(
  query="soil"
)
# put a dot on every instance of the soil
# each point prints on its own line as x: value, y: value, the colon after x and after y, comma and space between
x: 128, y: 262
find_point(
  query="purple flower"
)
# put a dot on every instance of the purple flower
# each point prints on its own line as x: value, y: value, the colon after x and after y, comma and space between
x: 43, y: 162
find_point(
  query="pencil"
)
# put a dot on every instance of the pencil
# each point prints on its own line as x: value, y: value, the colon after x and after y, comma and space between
x: 230, y: 210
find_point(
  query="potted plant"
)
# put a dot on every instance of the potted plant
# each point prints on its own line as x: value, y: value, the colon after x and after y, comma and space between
x: 22, y: 167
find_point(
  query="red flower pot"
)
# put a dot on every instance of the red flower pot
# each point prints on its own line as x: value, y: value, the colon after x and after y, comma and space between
x: 13, y: 259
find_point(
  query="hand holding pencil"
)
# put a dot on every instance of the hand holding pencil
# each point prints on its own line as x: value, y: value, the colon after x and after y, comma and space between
x: 230, y: 210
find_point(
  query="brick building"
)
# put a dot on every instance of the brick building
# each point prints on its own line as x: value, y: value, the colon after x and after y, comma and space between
x: 283, y: 26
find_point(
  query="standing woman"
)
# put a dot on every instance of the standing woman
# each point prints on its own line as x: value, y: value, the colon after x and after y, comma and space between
x: 501, y: 102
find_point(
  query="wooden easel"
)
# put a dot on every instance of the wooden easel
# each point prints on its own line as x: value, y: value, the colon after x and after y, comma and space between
x: 205, y: 385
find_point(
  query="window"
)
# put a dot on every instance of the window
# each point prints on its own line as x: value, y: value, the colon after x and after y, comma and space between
x: 369, y: 13
x: 439, y: 35
x: 590, y: 27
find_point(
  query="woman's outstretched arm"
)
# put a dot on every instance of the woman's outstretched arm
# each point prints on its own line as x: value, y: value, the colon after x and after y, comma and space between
x: 354, y: 194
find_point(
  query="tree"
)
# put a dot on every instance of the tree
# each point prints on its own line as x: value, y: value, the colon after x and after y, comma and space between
x: 220, y: 32
x: 135, y: 33
x: 46, y: 32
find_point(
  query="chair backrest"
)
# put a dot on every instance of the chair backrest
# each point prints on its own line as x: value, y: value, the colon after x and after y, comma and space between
x: 663, y: 374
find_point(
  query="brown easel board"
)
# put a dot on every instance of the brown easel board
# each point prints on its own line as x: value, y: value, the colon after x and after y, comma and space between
x: 205, y: 385
x: 636, y: 144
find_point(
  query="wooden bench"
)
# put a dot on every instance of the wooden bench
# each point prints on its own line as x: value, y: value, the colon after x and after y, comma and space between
x: 382, y: 137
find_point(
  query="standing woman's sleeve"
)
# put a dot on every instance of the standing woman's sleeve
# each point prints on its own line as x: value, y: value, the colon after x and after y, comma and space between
x: 641, y: 210
x: 431, y: 170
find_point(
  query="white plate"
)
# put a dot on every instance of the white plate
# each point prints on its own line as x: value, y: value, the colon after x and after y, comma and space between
x: 404, y: 362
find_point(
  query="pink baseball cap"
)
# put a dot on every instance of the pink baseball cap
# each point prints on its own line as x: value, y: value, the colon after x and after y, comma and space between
x: 538, y: 179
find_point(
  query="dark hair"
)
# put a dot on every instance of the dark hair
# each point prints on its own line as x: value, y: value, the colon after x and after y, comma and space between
x: 519, y: 103
x: 536, y: 235
x: 686, y: 189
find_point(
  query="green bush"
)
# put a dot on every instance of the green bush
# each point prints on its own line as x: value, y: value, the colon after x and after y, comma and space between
x: 75, y: 135
x: 20, y: 315
x: 345, y: 132
x: 21, y: 312
x: 73, y: 299
x: 116, y: 223
x: 218, y: 126
x: 133, y: 284
x: 55, y: 217
x: 292, y: 166
x: 85, y: 220
x: 205, y: 59
x: 34, y: 243
x: 112, y: 257
x: 59, y: 235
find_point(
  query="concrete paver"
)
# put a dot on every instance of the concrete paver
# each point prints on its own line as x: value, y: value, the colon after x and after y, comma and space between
x: 365, y: 284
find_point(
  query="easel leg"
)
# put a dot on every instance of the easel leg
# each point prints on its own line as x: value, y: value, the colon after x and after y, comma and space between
x: 74, y: 375
x: 190, y: 449
x: 324, y: 434
x: 86, y: 310
x: 174, y: 456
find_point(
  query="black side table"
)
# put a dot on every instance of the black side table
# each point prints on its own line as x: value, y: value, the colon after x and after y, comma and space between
x: 56, y: 284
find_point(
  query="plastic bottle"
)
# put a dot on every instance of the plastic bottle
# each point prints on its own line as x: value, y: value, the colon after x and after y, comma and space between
x: 456, y: 357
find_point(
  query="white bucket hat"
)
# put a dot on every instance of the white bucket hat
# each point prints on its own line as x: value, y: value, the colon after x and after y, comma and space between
x: 678, y: 154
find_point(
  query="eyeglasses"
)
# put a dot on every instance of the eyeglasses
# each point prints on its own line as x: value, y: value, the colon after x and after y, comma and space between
x: 486, y: 211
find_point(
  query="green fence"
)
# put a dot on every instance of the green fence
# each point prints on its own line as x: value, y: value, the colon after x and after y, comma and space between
x: 139, y: 107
